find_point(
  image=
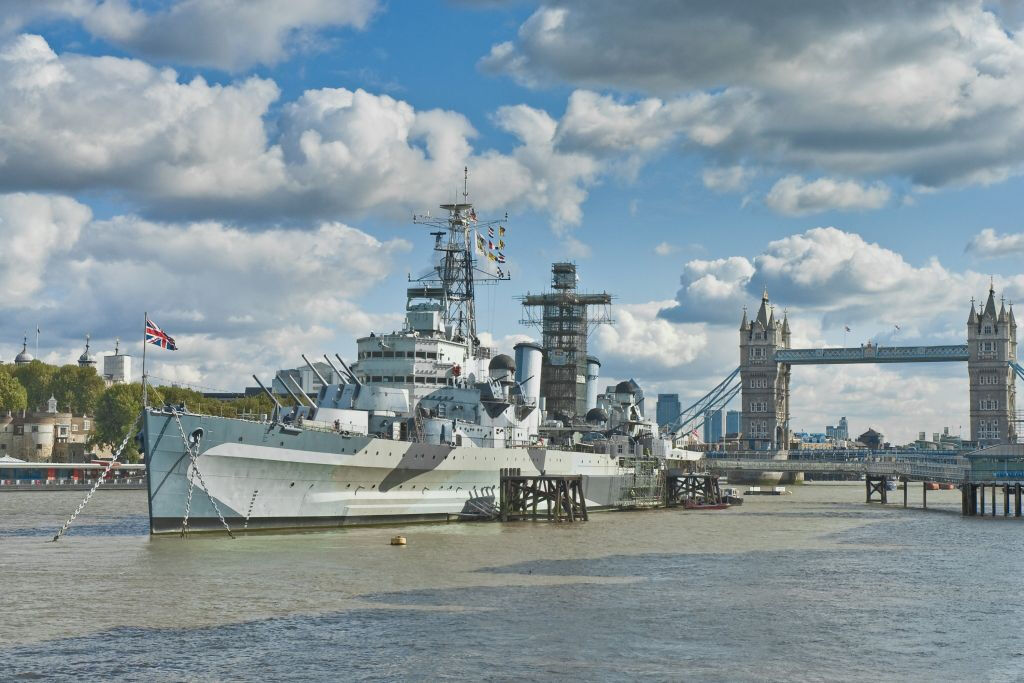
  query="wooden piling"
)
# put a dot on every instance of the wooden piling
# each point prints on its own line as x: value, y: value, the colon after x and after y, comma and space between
x: 875, y: 485
x: 1016, y: 505
x: 692, y: 487
x: 561, y: 495
x: 1006, y: 500
x: 906, y: 485
x: 924, y: 495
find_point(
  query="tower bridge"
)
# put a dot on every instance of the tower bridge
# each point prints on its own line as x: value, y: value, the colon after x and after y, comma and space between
x: 869, y: 353
x: 766, y: 361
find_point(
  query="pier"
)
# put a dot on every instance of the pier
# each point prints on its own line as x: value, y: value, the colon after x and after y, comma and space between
x: 63, y: 476
x: 700, y: 489
x: 556, y: 498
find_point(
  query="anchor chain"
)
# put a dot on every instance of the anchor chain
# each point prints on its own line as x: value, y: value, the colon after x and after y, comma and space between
x: 193, y: 457
x: 100, y: 480
x: 188, y: 502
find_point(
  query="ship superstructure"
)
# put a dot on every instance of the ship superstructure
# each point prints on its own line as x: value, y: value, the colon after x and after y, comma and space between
x: 418, y: 428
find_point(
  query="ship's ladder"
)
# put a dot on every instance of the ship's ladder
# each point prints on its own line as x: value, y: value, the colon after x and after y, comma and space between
x: 100, y: 479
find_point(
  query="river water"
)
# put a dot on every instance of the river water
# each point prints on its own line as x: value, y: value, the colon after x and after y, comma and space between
x: 812, y: 586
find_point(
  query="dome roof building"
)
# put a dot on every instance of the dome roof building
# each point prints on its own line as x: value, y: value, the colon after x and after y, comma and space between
x: 23, y: 358
x: 86, y: 360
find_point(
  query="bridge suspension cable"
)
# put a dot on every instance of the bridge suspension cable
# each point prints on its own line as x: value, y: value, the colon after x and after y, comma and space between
x: 693, y: 416
x: 1017, y: 369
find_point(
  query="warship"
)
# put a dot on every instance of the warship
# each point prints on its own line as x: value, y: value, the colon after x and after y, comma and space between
x: 418, y: 428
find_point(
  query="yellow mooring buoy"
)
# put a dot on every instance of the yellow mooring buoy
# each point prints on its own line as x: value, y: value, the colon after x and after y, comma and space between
x: 398, y: 540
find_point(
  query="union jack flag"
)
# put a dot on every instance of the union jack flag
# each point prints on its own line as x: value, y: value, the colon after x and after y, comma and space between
x: 157, y: 337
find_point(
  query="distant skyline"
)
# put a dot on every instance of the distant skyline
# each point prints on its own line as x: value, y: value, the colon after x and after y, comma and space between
x: 246, y: 172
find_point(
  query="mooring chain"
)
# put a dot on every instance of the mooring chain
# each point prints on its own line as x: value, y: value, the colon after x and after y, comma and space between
x: 100, y: 480
x: 188, y: 501
x: 193, y: 456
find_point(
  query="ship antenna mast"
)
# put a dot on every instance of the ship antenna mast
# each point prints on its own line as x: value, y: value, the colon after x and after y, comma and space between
x: 450, y: 284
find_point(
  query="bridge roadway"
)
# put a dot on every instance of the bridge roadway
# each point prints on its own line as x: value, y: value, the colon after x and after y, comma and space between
x: 870, y: 353
x: 912, y: 467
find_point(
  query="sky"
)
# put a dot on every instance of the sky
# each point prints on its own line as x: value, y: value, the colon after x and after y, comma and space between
x: 246, y: 172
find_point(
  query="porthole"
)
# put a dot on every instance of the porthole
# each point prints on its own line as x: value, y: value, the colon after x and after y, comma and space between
x: 348, y: 486
x: 292, y: 484
x: 373, y: 486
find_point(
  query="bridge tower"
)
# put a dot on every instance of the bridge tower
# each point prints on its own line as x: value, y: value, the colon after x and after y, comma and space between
x: 991, y: 346
x: 765, y: 388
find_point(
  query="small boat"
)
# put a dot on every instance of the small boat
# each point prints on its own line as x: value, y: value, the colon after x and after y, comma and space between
x: 695, y: 505
x: 947, y: 486
x: 890, y: 485
x: 773, y: 491
x: 732, y: 496
x: 931, y: 486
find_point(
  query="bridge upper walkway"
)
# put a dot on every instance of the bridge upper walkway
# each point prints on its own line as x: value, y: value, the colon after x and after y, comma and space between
x: 913, y: 467
x: 874, y: 354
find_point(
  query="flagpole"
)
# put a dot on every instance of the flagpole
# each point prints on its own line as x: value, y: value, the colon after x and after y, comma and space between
x: 145, y: 322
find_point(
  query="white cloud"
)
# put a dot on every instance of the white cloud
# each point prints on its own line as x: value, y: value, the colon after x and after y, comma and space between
x: 574, y: 248
x: 990, y: 244
x: 33, y: 230
x: 795, y: 197
x: 639, y: 337
x: 549, y: 178
x: 838, y: 278
x: 189, y: 150
x: 727, y: 179
x: 225, y: 34
x: 928, y: 91
x: 236, y: 300
x: 665, y: 249
x: 712, y: 291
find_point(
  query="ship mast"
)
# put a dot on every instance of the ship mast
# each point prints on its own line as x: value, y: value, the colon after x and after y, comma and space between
x: 452, y: 281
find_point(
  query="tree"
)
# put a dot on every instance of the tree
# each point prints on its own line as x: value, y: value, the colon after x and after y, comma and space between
x: 77, y: 389
x: 116, y: 413
x: 12, y: 395
x: 35, y: 377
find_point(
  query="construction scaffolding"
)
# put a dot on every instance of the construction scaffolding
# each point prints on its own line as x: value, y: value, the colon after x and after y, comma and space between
x: 641, y: 483
x: 566, y: 320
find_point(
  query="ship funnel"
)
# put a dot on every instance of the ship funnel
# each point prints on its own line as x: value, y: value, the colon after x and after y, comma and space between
x: 529, y: 357
x: 593, y: 375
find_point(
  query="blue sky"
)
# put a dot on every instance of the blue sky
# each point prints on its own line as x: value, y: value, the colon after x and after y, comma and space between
x: 210, y: 162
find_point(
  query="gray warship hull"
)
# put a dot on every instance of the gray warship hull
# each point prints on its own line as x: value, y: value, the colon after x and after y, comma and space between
x: 274, y: 476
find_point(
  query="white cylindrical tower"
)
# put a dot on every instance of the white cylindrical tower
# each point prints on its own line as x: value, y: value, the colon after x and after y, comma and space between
x: 593, y: 374
x: 529, y: 358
